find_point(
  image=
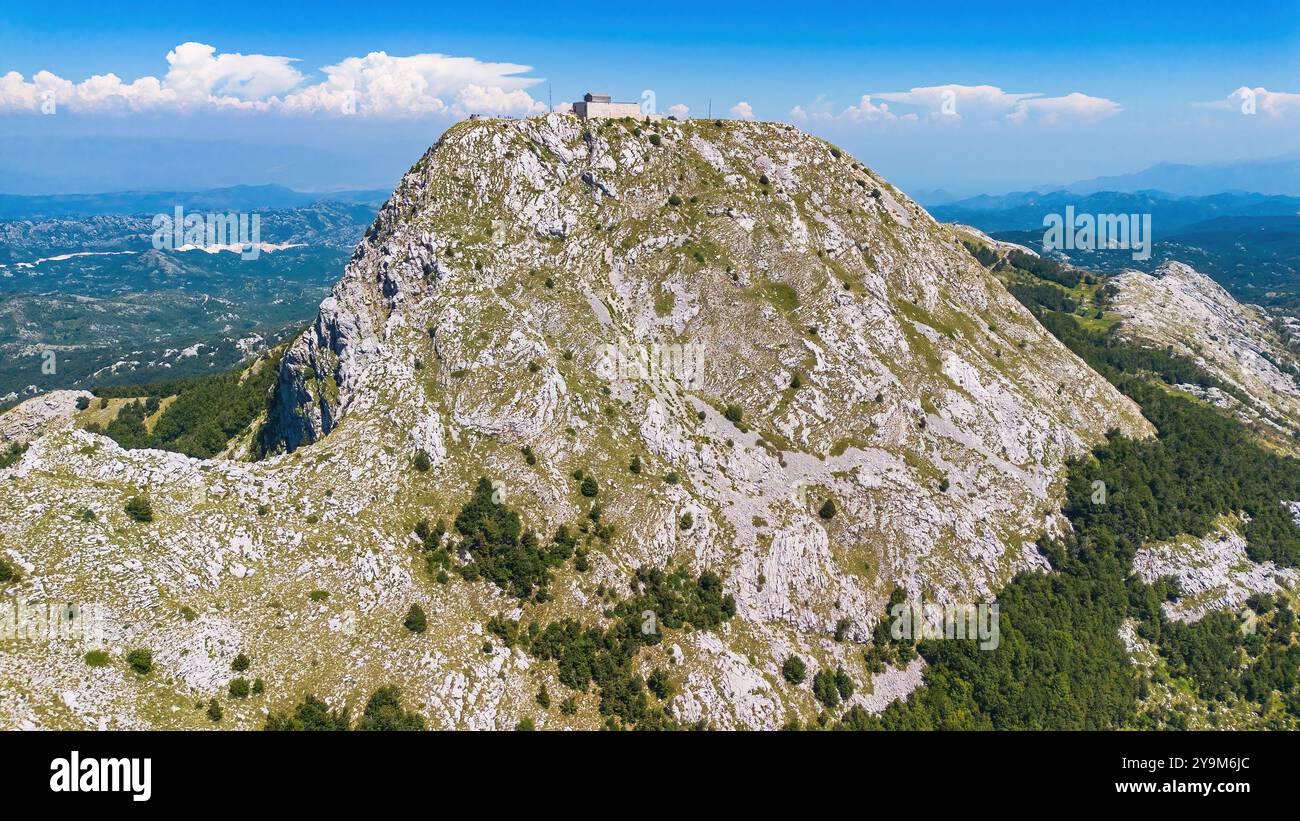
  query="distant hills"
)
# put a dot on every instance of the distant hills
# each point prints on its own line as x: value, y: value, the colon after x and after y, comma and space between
x: 93, y: 287
x: 233, y: 198
x: 1277, y: 175
x: 1248, y: 242
x: 1024, y: 210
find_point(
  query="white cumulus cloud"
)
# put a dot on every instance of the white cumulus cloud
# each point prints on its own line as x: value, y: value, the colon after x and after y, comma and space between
x: 742, y: 110
x: 680, y: 111
x: 378, y: 84
x: 864, y: 111
x: 955, y: 103
x: 1073, y: 106
x: 198, y: 73
x: 1245, y: 100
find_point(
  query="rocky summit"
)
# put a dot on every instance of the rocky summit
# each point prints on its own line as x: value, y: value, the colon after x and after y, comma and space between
x: 1251, y: 354
x: 726, y: 351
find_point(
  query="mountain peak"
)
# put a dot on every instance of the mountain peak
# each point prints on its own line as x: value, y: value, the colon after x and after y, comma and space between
x: 724, y: 347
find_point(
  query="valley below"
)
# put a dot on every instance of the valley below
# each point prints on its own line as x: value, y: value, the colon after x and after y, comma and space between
x: 88, y: 300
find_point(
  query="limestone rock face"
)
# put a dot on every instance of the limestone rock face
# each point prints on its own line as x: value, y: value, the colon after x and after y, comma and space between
x: 38, y: 415
x: 1214, y: 572
x: 740, y: 305
x: 1248, y: 352
x: 1237, y: 343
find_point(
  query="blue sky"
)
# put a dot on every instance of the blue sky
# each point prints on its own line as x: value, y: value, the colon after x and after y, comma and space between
x: 1019, y: 94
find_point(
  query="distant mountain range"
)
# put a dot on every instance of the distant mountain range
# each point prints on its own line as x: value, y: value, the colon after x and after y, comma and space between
x: 1278, y: 175
x: 234, y: 198
x: 1024, y: 210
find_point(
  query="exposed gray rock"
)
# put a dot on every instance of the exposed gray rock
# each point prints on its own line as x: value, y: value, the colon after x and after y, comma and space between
x: 473, y: 319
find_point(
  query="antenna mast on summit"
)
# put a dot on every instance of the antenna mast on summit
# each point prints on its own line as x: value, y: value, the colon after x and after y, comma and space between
x: 549, y: 104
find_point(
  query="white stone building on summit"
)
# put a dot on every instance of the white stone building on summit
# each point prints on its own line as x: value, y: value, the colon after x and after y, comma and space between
x: 595, y: 106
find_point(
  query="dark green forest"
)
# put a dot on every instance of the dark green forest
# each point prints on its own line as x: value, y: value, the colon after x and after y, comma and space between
x: 1061, y: 663
x: 207, y: 413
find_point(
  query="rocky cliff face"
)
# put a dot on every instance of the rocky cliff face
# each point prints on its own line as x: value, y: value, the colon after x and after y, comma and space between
x: 821, y: 338
x: 1214, y: 572
x: 39, y: 415
x: 1238, y: 344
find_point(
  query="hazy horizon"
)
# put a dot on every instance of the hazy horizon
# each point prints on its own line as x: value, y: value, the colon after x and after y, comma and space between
x: 961, y: 100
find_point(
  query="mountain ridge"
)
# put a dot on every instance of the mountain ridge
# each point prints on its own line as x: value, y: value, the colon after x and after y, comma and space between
x: 234, y: 197
x: 855, y: 353
x: 1025, y: 210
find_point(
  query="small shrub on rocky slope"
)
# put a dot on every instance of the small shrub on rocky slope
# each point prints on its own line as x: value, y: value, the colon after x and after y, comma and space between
x: 844, y: 684
x: 794, y: 670
x: 139, y: 509
x: 384, y: 711
x: 140, y: 660
x: 310, y: 714
x: 825, y: 690
x: 415, y: 620
x: 659, y: 684
x: 842, y: 628
x: 12, y: 454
